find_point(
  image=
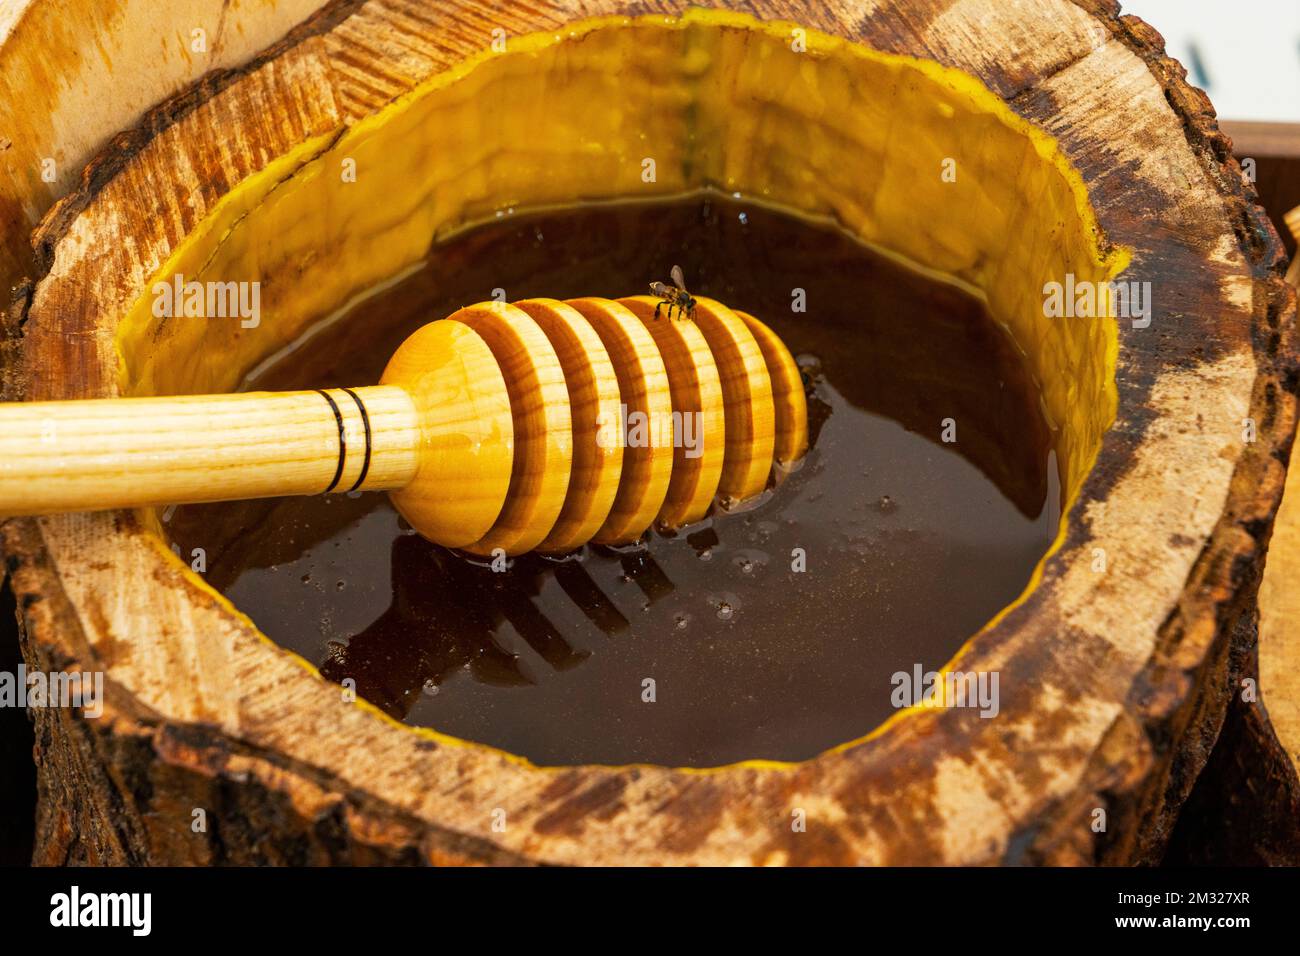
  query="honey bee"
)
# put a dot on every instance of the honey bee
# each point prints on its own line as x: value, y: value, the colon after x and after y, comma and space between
x: 675, y: 298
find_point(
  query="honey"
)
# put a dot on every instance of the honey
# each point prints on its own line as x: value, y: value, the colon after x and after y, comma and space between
x: 929, y: 494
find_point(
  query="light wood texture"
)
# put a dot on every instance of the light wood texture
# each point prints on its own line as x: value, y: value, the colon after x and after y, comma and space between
x: 643, y: 386
x: 747, y: 394
x: 62, y: 104
x: 437, y: 431
x: 1114, y: 685
x: 499, y: 428
x: 594, y: 408
x: 789, y: 402
x: 466, y: 433
x: 543, y: 426
x: 696, y: 390
x: 117, y: 453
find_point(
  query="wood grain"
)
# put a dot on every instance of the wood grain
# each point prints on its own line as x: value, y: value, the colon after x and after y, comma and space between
x: 136, y: 452
x: 644, y: 390
x: 789, y: 403
x: 747, y: 398
x: 72, y: 104
x: 594, y: 405
x: 696, y: 390
x: 543, y: 426
x: 1276, y: 731
x: 1116, y: 683
x: 466, y: 433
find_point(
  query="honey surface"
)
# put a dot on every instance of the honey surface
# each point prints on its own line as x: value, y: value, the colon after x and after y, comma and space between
x: 908, y: 544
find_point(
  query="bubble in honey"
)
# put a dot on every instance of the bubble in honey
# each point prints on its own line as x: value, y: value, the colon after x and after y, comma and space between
x: 887, y: 505
x: 725, y: 604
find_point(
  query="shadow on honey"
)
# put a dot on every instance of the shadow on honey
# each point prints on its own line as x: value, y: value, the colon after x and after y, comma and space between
x: 768, y: 633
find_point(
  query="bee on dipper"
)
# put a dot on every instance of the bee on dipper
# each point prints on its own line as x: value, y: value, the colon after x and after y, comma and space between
x: 675, y: 298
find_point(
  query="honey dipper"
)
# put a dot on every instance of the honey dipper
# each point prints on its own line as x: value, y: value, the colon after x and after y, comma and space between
x: 497, y: 427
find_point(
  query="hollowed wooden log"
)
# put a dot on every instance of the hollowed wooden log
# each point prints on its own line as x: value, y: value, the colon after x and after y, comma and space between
x: 1095, y: 158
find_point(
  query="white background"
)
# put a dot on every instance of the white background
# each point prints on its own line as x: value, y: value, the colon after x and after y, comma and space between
x: 1249, y: 51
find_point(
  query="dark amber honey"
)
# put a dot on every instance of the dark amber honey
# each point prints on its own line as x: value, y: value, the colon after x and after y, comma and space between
x: 910, y: 543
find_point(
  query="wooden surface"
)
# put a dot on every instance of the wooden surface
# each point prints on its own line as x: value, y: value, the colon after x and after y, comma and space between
x: 466, y: 441
x: 747, y: 400
x: 543, y: 426
x: 644, y: 388
x: 1122, y: 679
x: 789, y: 403
x: 696, y: 390
x: 134, y: 452
x: 64, y: 102
x: 1275, y: 150
x: 1279, y: 594
x: 594, y: 404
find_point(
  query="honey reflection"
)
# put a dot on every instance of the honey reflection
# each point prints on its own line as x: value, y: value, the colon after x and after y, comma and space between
x: 463, y: 606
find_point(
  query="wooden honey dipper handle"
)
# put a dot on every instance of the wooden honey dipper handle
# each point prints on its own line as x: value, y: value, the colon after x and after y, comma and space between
x: 114, y: 453
x: 490, y: 429
x: 442, y: 428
